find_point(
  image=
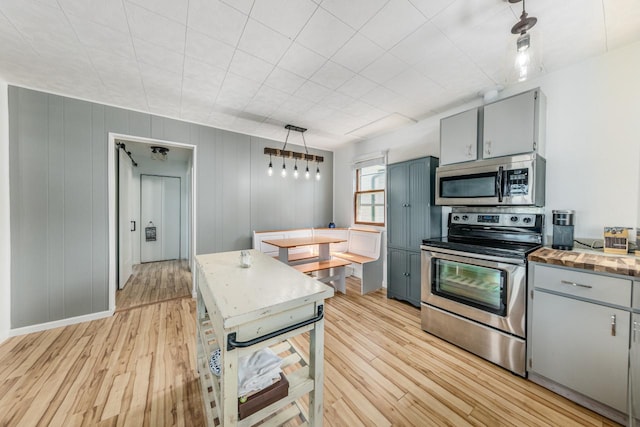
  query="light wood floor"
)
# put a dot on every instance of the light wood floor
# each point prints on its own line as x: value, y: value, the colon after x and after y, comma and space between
x: 137, y: 368
x: 154, y: 282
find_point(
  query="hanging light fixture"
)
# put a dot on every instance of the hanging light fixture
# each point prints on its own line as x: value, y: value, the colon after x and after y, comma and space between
x: 284, y: 153
x: 523, y: 57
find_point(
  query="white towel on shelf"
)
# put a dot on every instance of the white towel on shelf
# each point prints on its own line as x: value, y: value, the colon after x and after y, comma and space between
x: 258, y: 370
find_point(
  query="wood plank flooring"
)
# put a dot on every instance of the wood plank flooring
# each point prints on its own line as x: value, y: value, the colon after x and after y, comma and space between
x: 137, y: 369
x: 154, y: 282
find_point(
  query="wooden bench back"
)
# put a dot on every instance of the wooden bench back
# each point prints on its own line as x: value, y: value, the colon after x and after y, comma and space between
x: 260, y: 236
x: 365, y: 243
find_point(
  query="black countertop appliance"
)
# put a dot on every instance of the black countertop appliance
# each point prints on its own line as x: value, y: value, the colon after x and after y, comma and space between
x: 563, y: 229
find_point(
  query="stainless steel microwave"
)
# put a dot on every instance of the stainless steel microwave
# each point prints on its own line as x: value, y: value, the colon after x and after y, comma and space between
x: 501, y: 181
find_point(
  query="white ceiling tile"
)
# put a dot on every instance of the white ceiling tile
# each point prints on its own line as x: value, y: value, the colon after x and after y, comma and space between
x: 463, y: 16
x: 337, y: 101
x: 243, y: 6
x: 158, y: 81
x: 367, y: 112
x: 301, y: 61
x: 155, y: 28
x: 623, y: 22
x: 109, y: 13
x: 413, y: 85
x: 217, y: 20
x: 355, y: 12
x: 42, y: 26
x: 296, y: 105
x: 430, y: 8
x: 201, y: 71
x: 232, y: 99
x: 312, y: 92
x: 418, y: 46
x: 384, y: 68
x: 271, y: 96
x: 241, y: 85
x: 324, y: 33
x: 175, y: 10
x: 357, y: 86
x: 249, y: 66
x: 263, y: 42
x: 357, y: 53
x: 285, y: 16
x: 396, y: 20
x: 382, y: 98
x: 99, y: 37
x: 207, y: 49
x: 332, y: 75
x: 196, y: 89
x: 157, y: 56
x: 284, y: 80
x: 260, y: 108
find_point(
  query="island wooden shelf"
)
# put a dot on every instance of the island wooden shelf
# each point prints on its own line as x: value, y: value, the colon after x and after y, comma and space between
x: 242, y: 310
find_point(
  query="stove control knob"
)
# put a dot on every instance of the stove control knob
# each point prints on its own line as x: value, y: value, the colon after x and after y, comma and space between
x: 526, y: 220
x: 465, y: 217
x: 514, y: 219
x: 456, y: 218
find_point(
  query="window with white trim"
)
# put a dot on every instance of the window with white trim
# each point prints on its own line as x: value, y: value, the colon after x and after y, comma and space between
x: 369, y: 197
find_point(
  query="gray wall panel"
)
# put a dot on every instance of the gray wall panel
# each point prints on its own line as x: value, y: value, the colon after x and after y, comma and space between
x: 59, y: 204
x: 55, y: 214
x: 29, y: 300
x: 139, y: 124
x: 100, y: 224
x: 78, y: 205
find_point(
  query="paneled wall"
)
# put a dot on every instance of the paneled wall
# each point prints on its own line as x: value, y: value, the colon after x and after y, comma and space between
x: 58, y: 182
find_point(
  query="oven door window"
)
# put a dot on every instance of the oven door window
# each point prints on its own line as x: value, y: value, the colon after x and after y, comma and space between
x: 480, y: 287
x: 475, y: 185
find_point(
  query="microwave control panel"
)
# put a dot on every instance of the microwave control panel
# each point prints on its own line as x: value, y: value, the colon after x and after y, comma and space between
x: 517, y: 182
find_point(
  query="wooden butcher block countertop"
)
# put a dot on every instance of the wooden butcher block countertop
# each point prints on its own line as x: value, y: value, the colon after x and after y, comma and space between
x: 627, y: 265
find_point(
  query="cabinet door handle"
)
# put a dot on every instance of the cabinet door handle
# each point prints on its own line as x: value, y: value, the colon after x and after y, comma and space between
x: 613, y: 325
x: 577, y: 285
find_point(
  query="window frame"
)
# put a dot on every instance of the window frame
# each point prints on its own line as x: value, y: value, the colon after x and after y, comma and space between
x: 359, y: 192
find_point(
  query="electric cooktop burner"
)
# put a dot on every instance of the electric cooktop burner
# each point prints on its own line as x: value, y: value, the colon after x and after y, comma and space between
x: 492, y: 233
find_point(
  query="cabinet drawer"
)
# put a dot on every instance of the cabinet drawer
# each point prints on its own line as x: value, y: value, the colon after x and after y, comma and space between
x: 596, y: 287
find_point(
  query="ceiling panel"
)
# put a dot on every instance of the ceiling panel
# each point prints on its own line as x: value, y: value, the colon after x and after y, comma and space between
x: 332, y: 66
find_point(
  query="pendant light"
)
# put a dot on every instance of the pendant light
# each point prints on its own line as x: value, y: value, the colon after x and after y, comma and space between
x: 317, y: 172
x: 284, y: 153
x: 270, y: 170
x: 295, y: 169
x: 284, y: 169
x: 523, y: 56
x: 306, y: 172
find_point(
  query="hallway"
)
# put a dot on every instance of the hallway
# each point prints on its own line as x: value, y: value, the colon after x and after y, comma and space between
x: 154, y: 282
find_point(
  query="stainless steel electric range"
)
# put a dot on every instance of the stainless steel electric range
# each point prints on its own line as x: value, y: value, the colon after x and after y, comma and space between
x: 474, y: 281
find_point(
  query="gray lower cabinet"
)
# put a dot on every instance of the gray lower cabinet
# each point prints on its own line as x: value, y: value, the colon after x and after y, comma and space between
x: 579, y: 332
x: 634, y: 358
x: 404, y: 275
x: 411, y: 217
x: 573, y: 345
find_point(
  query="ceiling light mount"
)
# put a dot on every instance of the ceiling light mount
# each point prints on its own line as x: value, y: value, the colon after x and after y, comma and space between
x: 525, y: 23
x: 159, y: 153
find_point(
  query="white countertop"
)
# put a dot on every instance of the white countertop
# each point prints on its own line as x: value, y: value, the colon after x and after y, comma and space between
x: 268, y: 286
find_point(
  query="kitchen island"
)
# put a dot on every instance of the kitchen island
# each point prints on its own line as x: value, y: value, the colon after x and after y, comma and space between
x: 242, y: 310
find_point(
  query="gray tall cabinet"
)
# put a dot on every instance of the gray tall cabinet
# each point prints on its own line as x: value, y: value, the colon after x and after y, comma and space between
x: 411, y: 217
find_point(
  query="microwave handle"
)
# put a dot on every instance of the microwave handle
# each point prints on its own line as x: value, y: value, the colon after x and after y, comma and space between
x: 499, y: 183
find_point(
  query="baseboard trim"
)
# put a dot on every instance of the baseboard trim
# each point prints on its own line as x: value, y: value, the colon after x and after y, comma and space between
x: 59, y: 323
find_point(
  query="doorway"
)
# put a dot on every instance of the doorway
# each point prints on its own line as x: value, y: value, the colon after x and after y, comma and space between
x: 160, y: 194
x: 160, y: 216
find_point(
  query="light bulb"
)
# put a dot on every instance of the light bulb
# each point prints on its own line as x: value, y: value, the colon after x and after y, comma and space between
x: 306, y: 173
x: 284, y: 170
x: 270, y: 170
x: 317, y: 173
x: 295, y: 171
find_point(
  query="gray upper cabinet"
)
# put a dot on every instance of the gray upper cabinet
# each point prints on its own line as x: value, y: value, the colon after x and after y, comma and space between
x: 459, y: 137
x: 510, y: 126
x: 514, y: 125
